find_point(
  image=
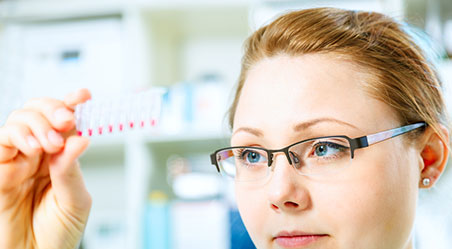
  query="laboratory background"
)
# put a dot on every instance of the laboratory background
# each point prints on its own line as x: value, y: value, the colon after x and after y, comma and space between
x: 152, y: 184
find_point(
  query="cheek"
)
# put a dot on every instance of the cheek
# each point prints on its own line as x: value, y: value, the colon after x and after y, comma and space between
x: 377, y: 200
x: 253, y: 207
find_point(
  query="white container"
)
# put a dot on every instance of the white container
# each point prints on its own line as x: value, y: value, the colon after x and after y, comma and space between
x: 54, y: 58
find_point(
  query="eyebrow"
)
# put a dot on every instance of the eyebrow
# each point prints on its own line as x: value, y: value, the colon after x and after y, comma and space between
x: 299, y: 127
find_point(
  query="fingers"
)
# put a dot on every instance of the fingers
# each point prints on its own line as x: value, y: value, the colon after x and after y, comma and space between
x: 78, y: 97
x: 20, y: 137
x: 50, y: 140
x: 40, y: 127
x: 46, y: 118
x: 7, y: 154
x: 7, y: 149
x: 13, y: 173
x: 60, y: 114
x: 66, y: 176
x: 55, y: 111
x: 17, y: 138
x: 16, y: 167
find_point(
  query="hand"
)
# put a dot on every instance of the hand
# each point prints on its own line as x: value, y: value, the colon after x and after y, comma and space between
x: 44, y: 203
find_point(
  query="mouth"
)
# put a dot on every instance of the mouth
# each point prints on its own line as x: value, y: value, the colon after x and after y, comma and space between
x: 297, y: 239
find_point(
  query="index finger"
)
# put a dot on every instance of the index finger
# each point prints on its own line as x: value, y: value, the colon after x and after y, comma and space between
x: 77, y: 97
x: 7, y: 149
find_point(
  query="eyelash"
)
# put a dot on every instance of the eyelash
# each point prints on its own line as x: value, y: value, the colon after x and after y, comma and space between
x: 241, y: 155
x: 337, y: 146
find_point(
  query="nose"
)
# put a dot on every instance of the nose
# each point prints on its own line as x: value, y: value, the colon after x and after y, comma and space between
x: 286, y: 191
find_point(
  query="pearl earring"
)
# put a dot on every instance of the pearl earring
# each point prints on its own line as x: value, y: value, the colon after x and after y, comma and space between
x: 426, y: 181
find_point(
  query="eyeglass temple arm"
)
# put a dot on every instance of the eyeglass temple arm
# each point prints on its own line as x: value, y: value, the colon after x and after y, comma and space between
x: 368, y: 140
x: 213, y: 160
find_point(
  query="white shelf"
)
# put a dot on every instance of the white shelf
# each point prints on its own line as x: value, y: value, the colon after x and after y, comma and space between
x: 119, y: 139
x: 152, y: 54
x: 445, y: 72
x: 58, y: 10
x: 181, y: 49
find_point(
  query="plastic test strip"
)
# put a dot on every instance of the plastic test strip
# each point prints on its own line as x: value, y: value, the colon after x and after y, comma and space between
x: 97, y: 117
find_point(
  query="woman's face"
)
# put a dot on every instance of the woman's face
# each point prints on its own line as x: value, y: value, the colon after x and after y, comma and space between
x: 370, y: 204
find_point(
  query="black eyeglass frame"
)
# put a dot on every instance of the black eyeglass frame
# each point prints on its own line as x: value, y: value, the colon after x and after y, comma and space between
x: 355, y: 143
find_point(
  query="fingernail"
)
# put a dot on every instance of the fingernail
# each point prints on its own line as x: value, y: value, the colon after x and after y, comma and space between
x: 63, y: 115
x: 33, y: 142
x: 55, y: 138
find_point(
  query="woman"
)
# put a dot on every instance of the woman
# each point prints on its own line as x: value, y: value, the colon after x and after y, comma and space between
x: 338, y: 121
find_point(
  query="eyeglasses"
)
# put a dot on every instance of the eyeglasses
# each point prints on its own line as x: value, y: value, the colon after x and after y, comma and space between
x: 314, y: 156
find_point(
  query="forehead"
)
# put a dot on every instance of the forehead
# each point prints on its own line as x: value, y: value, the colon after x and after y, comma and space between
x: 281, y: 91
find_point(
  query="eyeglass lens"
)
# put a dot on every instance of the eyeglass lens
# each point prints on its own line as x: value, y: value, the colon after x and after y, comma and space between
x: 320, y: 156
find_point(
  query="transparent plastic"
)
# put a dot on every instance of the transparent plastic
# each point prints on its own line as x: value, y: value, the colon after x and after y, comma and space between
x: 118, y: 114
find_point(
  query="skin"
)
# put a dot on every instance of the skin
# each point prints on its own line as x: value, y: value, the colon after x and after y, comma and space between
x: 43, y: 199
x: 369, y: 205
x: 44, y: 203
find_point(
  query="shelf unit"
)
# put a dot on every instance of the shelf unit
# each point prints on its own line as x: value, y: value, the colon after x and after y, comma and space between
x: 163, y: 42
x: 194, y: 39
x: 127, y: 185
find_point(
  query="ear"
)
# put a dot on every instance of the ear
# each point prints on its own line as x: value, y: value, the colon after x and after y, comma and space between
x: 434, y: 152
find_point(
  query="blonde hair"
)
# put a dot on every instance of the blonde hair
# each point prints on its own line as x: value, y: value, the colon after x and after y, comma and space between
x: 402, y: 77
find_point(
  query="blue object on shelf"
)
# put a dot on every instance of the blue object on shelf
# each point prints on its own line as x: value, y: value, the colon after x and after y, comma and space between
x: 157, y: 224
x: 240, y: 238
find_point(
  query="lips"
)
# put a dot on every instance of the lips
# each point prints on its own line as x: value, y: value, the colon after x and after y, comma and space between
x: 296, y: 239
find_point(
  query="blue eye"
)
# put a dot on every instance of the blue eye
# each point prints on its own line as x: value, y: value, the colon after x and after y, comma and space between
x: 252, y: 157
x: 325, y: 149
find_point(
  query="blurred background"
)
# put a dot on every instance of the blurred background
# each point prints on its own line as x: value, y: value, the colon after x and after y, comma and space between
x: 154, y: 187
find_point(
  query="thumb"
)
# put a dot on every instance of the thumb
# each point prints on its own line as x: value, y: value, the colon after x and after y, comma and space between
x: 66, y: 176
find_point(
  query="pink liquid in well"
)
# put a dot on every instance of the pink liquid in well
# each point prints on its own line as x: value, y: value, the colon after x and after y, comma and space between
x: 121, y: 127
x: 100, y: 130
x: 90, y: 132
x: 110, y: 128
x: 131, y: 124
